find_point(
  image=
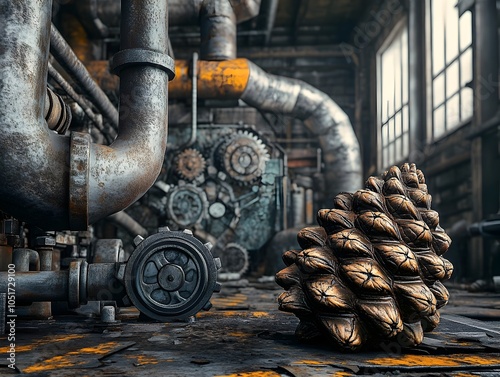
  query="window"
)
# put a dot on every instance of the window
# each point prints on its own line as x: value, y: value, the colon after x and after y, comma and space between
x: 392, y: 88
x: 451, y: 52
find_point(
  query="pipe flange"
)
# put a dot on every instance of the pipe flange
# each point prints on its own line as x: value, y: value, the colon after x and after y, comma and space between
x: 79, y: 181
x: 74, y: 284
x: 139, y: 56
x: 171, y: 275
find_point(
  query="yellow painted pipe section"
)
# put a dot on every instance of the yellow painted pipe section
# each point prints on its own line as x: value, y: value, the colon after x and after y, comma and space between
x: 216, y: 79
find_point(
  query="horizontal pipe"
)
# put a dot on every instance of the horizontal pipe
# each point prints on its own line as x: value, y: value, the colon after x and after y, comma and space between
x: 37, y: 286
x: 216, y: 80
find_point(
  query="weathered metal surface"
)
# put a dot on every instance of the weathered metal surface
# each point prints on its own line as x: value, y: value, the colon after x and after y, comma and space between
x: 244, y: 335
x: 216, y: 80
x: 57, y: 113
x: 68, y: 59
x: 217, y: 30
x: 372, y: 272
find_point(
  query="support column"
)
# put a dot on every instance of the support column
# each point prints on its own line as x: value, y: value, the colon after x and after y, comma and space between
x: 485, y: 157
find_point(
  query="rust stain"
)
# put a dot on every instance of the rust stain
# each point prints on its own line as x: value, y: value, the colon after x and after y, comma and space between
x: 67, y: 360
x: 310, y: 362
x: 432, y: 361
x: 42, y: 341
x: 258, y: 373
x: 146, y: 360
x: 239, y: 334
x: 342, y: 374
x: 224, y: 79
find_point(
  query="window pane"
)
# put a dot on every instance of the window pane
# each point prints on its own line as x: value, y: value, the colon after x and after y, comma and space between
x: 385, y: 157
x: 467, y: 103
x: 437, y: 36
x: 397, y: 74
x: 466, y: 67
x: 398, y: 155
x: 465, y: 30
x: 406, y: 144
x: 439, y: 125
x: 404, y: 58
x: 405, y: 119
x: 451, y: 27
x: 398, y: 124
x: 391, y: 131
x: 391, y: 154
x: 452, y: 80
x: 385, y: 135
x: 438, y: 90
x: 453, y: 112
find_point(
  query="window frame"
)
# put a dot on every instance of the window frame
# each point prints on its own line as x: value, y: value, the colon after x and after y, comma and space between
x: 431, y: 76
x: 395, y: 33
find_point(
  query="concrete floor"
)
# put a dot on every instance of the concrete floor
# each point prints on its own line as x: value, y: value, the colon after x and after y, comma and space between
x: 245, y: 335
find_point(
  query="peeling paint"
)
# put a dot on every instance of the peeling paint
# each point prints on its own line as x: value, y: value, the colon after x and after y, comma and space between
x: 435, y: 361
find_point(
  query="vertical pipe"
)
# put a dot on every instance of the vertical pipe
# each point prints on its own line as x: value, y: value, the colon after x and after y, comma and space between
x: 217, y: 31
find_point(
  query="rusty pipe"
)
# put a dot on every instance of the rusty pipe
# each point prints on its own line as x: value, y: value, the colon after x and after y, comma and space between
x: 57, y: 182
x: 242, y: 79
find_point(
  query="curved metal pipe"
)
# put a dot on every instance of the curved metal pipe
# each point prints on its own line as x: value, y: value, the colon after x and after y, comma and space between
x: 320, y: 114
x: 26, y: 260
x: 242, y: 79
x: 36, y: 164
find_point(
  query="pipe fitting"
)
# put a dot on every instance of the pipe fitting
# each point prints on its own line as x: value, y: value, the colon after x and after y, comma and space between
x: 57, y: 113
x: 102, y: 179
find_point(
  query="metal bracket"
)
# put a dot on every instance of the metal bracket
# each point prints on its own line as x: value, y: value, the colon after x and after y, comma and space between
x: 138, y: 56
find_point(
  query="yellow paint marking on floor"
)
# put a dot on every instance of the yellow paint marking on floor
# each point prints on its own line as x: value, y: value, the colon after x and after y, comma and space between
x: 430, y: 360
x: 239, y: 334
x: 66, y: 360
x: 342, y: 374
x: 309, y: 362
x: 259, y: 373
x: 463, y: 374
x: 260, y: 314
x: 144, y: 360
x: 42, y: 341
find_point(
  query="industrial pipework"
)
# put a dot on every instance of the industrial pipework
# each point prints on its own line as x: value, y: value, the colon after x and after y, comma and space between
x: 242, y: 79
x: 59, y: 182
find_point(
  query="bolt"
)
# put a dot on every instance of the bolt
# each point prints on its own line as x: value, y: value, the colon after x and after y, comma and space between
x: 138, y: 239
x: 163, y: 229
x: 188, y: 232
x: 208, y: 245
x: 108, y: 314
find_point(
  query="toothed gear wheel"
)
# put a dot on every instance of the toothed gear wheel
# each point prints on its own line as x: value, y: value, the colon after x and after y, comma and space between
x: 171, y: 275
x: 234, y: 258
x: 244, y: 157
x: 189, y: 164
x: 187, y: 205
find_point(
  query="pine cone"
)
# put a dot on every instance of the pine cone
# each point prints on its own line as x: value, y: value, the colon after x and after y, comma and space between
x: 372, y: 271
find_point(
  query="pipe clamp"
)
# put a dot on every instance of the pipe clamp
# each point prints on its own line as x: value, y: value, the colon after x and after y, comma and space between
x: 139, y: 56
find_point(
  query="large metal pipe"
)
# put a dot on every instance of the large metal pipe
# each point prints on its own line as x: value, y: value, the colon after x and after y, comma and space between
x: 36, y: 164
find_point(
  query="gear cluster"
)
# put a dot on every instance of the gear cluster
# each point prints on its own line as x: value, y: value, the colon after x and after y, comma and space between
x: 243, y: 157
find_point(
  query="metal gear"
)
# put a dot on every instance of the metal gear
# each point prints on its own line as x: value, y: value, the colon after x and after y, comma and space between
x: 189, y: 164
x: 243, y: 157
x: 171, y: 275
x: 187, y: 205
x: 234, y: 258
